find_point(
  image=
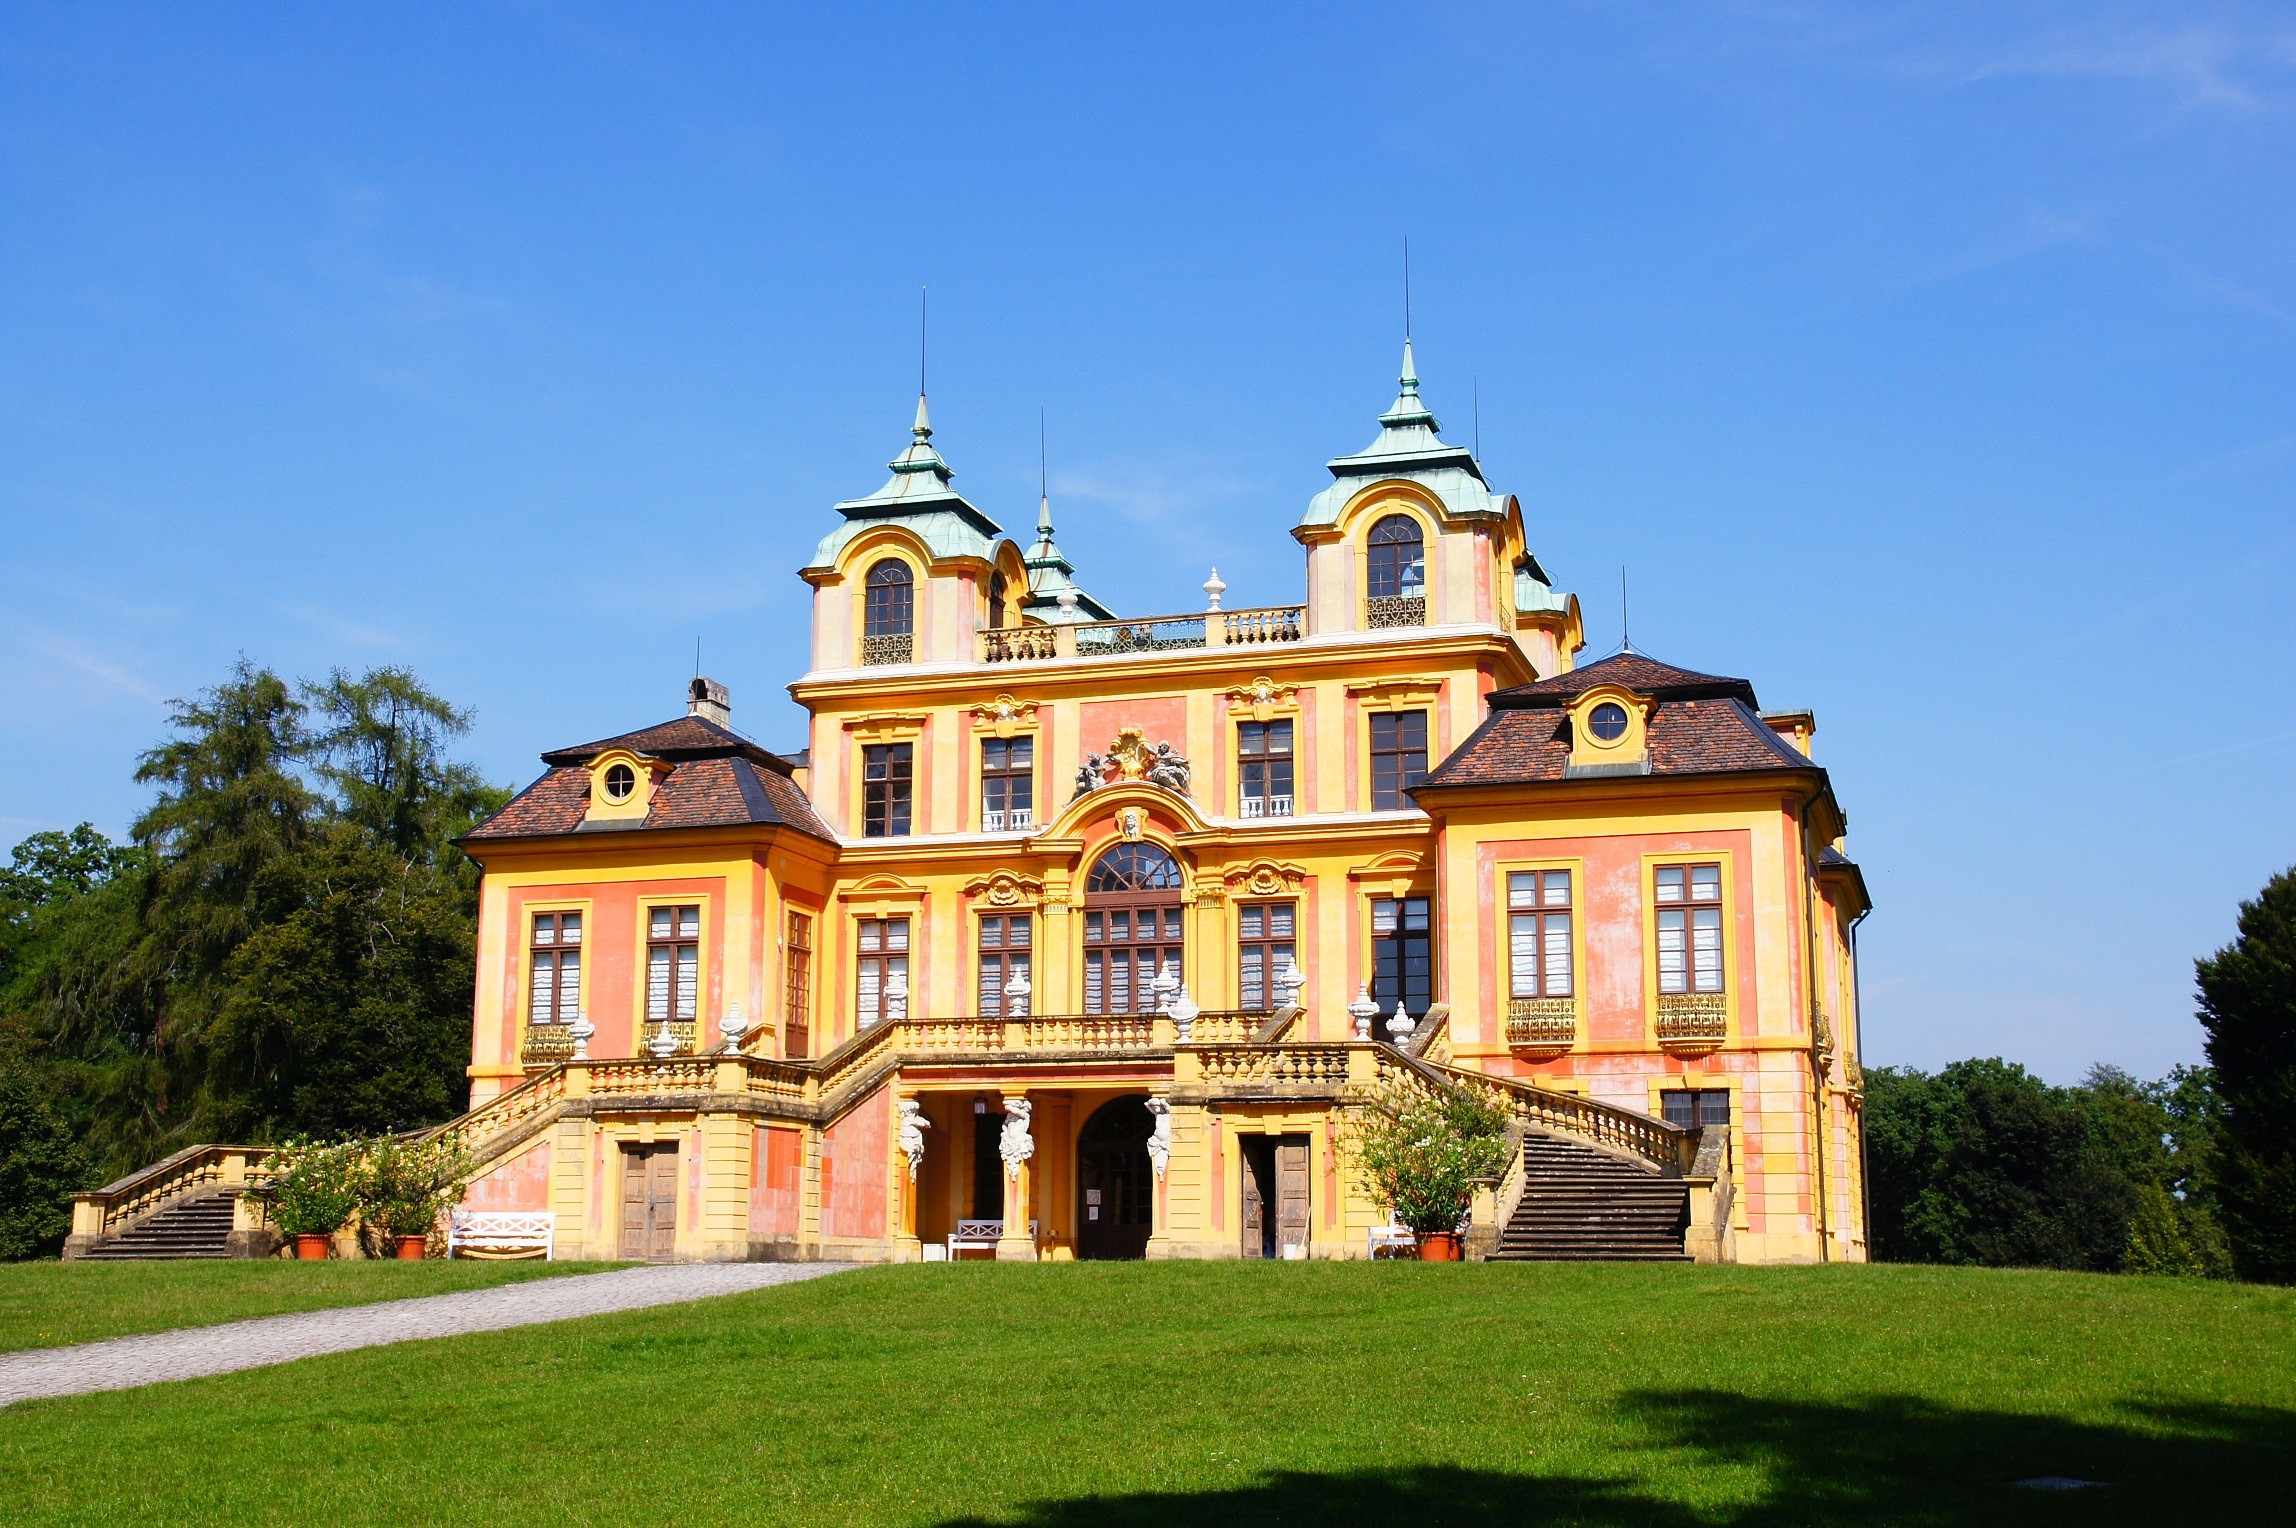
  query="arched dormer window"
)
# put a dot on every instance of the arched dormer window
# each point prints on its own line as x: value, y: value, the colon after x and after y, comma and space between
x: 889, y: 613
x: 1395, y: 568
x: 996, y: 601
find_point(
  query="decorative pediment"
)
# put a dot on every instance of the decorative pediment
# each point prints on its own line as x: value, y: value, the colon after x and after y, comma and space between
x: 1004, y: 889
x: 1397, y: 869
x: 1264, y: 697
x: 1398, y: 690
x: 1131, y: 757
x: 1004, y: 715
x: 885, y: 727
x: 882, y: 889
x: 1263, y: 878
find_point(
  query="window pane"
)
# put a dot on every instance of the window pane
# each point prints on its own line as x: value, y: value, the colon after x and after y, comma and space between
x: 1383, y: 917
x: 1522, y: 889
x: 1670, y: 883
x: 1672, y: 953
x: 1705, y: 883
x: 1254, y: 973
x: 1706, y: 942
x: 1557, y: 954
x: 689, y: 969
x: 658, y: 982
x: 545, y: 929
x: 1280, y: 920
x: 570, y: 928
x: 569, y: 987
x: 1254, y: 923
x: 659, y: 923
x: 1558, y: 891
x: 1016, y: 934
x: 538, y: 1005
x: 689, y: 922
x: 1523, y: 955
x: 1092, y: 928
x: 897, y: 935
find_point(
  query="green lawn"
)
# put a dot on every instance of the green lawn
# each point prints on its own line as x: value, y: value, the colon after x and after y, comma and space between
x: 1093, y: 1394
x: 45, y: 1305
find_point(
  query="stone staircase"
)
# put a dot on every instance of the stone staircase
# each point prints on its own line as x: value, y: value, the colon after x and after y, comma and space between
x: 1584, y: 1205
x: 197, y: 1226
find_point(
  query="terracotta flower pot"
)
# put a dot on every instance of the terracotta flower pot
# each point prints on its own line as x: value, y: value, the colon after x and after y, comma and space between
x: 1439, y: 1246
x: 313, y: 1246
x: 410, y: 1248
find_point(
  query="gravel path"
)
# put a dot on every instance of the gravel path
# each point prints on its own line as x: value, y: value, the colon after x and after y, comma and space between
x: 121, y: 1363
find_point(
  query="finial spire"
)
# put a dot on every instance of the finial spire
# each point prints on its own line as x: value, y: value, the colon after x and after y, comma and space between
x: 923, y: 428
x: 1043, y: 483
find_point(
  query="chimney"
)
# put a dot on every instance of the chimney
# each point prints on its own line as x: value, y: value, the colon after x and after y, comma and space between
x: 709, y: 700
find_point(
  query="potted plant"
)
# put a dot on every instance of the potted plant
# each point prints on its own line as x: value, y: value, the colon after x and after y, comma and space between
x: 404, y: 1186
x: 1423, y: 1149
x: 314, y: 1192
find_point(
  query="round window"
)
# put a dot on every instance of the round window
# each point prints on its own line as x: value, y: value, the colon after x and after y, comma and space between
x: 1607, y: 721
x: 620, y: 781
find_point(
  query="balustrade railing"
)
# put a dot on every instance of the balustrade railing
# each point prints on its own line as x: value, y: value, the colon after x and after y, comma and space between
x: 1275, y: 1065
x: 1542, y: 1023
x: 1692, y: 1020
x: 1669, y: 1146
x: 1267, y: 806
x: 117, y: 1204
x: 1009, y: 820
x: 1145, y: 634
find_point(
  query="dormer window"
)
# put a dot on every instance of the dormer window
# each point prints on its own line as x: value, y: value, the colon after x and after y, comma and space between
x: 622, y: 786
x: 1607, y: 721
x: 888, y: 616
x: 1395, y: 574
x: 621, y: 779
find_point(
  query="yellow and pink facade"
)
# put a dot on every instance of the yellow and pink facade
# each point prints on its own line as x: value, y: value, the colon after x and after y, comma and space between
x: 1069, y: 935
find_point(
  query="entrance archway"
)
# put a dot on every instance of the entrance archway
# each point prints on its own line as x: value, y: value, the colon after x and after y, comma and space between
x: 1131, y: 928
x: 1116, y: 1184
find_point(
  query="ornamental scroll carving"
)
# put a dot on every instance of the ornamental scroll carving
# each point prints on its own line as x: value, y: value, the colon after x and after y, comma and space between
x: 1263, y: 878
x: 1132, y: 757
x: 1004, y: 715
x: 1004, y: 889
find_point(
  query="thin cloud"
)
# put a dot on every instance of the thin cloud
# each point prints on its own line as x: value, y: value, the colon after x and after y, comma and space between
x: 96, y: 666
x: 2205, y: 66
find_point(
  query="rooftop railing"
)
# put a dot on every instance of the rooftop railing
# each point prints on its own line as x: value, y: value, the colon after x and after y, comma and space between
x: 1147, y: 634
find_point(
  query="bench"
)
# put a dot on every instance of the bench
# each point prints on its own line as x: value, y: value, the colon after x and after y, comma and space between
x: 1395, y: 1240
x: 980, y: 1236
x: 500, y: 1233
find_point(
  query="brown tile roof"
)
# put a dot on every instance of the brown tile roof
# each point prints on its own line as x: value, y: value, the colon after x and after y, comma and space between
x: 717, y: 778
x: 1526, y: 744
x: 1634, y: 670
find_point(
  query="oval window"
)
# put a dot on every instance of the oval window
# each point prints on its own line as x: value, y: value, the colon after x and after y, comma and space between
x: 620, y: 781
x: 1607, y: 721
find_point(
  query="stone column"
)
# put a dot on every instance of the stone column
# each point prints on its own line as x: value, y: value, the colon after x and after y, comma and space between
x: 1017, y: 1146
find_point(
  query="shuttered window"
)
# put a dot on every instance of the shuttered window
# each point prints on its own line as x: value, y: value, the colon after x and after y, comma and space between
x: 554, y: 969
x: 1539, y: 933
x: 1264, y: 950
x: 1004, y: 949
x: 1689, y: 928
x: 673, y: 962
x: 883, y: 967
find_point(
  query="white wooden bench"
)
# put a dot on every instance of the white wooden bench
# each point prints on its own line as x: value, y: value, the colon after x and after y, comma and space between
x: 980, y: 1236
x: 1394, y: 1239
x: 500, y: 1233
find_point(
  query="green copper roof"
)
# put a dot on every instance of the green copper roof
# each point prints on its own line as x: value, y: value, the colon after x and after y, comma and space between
x: 1048, y: 579
x: 917, y: 497
x: 1409, y: 447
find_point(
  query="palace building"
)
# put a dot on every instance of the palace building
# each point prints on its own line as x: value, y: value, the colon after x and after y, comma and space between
x: 1074, y: 934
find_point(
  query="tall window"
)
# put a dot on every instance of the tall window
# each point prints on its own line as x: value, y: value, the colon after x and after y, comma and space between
x: 554, y: 969
x: 996, y: 601
x: 1131, y: 928
x: 888, y: 613
x: 1264, y: 951
x: 1694, y: 1106
x: 1398, y: 757
x: 1539, y: 933
x: 1402, y: 958
x: 1008, y: 783
x: 1264, y: 754
x: 1690, y: 928
x: 883, y: 967
x: 797, y: 986
x: 1396, y: 567
x: 1004, y: 956
x: 673, y: 963
x: 885, y: 790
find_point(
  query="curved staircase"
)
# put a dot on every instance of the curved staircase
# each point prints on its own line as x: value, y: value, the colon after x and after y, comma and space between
x: 197, y: 1226
x: 1584, y: 1205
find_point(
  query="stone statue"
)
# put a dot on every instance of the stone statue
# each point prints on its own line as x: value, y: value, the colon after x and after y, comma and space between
x: 1090, y: 775
x: 1160, y: 1139
x: 1169, y: 768
x: 1016, y: 1145
x: 913, y: 1128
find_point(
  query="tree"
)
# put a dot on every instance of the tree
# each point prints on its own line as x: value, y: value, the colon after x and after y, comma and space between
x: 2248, y: 1008
x: 41, y: 1164
x: 381, y: 745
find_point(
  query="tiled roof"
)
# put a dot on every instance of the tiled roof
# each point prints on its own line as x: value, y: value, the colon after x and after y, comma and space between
x: 1634, y: 670
x: 1524, y: 745
x: 717, y: 778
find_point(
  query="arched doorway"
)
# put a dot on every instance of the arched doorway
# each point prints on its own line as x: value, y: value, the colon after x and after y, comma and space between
x: 1131, y: 928
x: 1115, y: 1181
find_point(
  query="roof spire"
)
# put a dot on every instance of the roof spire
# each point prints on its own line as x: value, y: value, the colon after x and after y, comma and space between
x: 1043, y: 484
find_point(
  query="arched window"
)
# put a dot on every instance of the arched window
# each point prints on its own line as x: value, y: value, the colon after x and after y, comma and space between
x: 1134, y: 867
x: 1397, y: 565
x: 1132, y: 934
x: 891, y: 610
x: 996, y: 600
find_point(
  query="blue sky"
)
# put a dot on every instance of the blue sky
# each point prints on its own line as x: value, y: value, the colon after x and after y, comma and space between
x: 1931, y: 366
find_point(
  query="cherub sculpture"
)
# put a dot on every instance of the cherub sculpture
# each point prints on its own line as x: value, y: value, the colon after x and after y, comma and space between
x: 1016, y: 1145
x: 1169, y: 768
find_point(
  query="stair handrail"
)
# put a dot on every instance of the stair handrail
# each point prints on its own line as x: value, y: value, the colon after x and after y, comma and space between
x: 1672, y: 1148
x: 103, y: 1211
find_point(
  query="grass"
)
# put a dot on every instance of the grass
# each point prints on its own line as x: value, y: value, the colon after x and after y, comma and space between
x: 1113, y: 1394
x: 46, y: 1305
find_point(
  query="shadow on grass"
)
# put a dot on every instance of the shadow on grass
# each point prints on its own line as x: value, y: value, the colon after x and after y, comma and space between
x: 1703, y: 1458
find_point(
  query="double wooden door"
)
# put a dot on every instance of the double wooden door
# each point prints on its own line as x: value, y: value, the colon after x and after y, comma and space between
x: 1275, y: 1194
x: 650, y: 1203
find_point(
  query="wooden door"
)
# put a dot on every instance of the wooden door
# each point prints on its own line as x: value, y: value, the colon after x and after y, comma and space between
x: 1115, y: 1182
x: 1259, y: 1155
x: 650, y: 1203
x: 1291, y: 1192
